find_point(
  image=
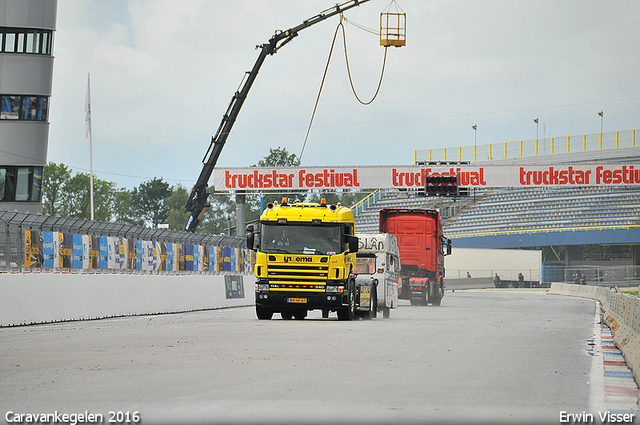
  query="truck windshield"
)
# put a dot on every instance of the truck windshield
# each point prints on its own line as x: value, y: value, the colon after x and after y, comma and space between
x: 300, y: 239
x: 365, y: 265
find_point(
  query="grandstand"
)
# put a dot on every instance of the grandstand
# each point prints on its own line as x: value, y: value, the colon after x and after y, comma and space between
x: 491, y: 211
x: 532, y: 217
x: 504, y: 210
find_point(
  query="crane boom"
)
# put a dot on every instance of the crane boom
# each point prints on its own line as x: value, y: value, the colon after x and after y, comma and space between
x: 198, y: 199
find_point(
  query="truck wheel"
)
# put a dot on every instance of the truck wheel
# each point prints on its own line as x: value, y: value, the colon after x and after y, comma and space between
x: 300, y: 315
x: 436, y: 298
x: 373, y: 308
x: 286, y: 315
x: 348, y: 313
x: 325, y: 314
x: 263, y: 313
x: 386, y: 312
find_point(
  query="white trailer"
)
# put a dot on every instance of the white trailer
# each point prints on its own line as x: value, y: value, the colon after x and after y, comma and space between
x: 378, y: 258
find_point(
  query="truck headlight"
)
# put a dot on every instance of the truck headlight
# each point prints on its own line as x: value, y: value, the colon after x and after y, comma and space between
x: 334, y: 289
x: 262, y: 287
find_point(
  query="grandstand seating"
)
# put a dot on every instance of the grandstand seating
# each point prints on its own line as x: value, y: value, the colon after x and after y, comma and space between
x: 520, y: 210
x: 526, y: 210
x: 367, y: 220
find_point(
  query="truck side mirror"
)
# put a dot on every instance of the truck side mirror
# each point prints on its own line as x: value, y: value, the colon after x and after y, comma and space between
x: 448, y: 246
x: 353, y: 243
x: 250, y: 237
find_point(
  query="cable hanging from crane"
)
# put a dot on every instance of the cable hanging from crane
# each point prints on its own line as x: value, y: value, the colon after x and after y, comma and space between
x: 392, y: 33
x: 315, y: 107
x: 384, y: 31
x: 346, y: 58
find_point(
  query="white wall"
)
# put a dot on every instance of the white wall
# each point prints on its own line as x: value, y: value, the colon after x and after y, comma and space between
x: 486, y: 262
x: 43, y: 298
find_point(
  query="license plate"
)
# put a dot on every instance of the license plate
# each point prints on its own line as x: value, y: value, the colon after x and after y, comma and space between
x: 297, y: 300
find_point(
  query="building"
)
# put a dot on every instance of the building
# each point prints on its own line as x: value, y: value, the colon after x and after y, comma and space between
x: 26, y: 73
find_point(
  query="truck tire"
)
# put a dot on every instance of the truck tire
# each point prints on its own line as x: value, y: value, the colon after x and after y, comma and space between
x: 286, y: 315
x: 386, y: 312
x: 373, y: 308
x: 263, y: 313
x: 435, y: 297
x: 325, y: 314
x: 349, y: 312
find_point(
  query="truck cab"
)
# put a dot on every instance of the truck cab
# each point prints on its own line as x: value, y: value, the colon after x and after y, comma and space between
x: 422, y: 250
x: 378, y: 258
x: 305, y: 260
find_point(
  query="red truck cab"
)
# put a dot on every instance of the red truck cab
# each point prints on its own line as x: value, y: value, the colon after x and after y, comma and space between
x: 422, y: 249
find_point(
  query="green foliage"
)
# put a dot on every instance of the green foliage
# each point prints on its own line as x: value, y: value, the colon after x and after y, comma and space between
x: 154, y: 201
x: 150, y: 201
x: 70, y: 195
x: 124, y: 209
x: 177, y: 217
x: 76, y: 198
x: 279, y: 157
x: 54, y: 178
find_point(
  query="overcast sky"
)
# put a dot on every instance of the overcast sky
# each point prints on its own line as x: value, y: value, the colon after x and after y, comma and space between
x: 164, y: 71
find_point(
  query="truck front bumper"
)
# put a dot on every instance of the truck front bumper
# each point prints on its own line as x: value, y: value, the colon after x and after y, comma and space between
x: 278, y: 301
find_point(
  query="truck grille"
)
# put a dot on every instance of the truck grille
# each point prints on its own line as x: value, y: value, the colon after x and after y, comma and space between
x: 306, y: 277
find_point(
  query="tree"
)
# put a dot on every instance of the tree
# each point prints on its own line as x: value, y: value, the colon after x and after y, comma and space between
x: 150, y: 201
x: 177, y: 217
x: 279, y: 157
x: 216, y: 218
x: 53, y: 181
x: 76, y: 198
x: 124, y: 210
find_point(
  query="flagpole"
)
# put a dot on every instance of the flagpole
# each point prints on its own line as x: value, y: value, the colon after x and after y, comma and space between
x: 88, y: 128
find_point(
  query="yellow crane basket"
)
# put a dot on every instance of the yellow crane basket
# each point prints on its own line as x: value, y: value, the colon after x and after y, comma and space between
x: 393, y: 28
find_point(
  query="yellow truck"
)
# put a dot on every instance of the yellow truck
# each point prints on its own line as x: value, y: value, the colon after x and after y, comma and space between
x: 306, y: 260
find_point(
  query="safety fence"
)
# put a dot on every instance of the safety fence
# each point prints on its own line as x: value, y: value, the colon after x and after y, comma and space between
x: 526, y: 278
x: 533, y: 147
x: 35, y: 243
x: 619, y: 275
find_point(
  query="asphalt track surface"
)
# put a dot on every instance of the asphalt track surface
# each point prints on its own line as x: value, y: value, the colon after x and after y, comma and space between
x: 481, y: 357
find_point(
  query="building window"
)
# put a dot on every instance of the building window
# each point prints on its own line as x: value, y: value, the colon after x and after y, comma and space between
x: 19, y: 184
x: 25, y: 40
x: 28, y: 108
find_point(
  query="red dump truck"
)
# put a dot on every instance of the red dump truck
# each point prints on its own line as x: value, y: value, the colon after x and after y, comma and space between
x: 422, y: 250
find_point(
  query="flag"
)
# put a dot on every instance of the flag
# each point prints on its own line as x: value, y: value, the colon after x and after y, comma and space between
x: 87, y: 108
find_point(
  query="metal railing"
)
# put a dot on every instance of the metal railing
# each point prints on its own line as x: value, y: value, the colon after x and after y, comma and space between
x: 532, y: 147
x: 453, y: 235
x: 365, y: 203
x: 620, y: 275
x: 42, y: 243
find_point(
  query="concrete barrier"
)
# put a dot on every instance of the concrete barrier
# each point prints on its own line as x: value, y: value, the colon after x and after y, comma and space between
x: 468, y: 283
x: 621, y: 312
x: 45, y: 298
